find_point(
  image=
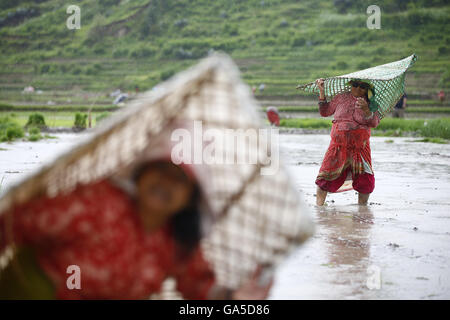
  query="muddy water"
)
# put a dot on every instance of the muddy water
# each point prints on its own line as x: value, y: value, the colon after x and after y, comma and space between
x: 399, y: 245
x: 21, y: 158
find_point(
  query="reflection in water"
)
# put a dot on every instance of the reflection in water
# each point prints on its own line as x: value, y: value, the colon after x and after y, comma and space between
x: 347, y: 237
x: 410, y: 193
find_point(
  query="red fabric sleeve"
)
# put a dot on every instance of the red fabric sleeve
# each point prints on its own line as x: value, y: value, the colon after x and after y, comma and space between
x: 195, y: 278
x: 62, y: 218
x: 327, y: 109
x: 372, y: 122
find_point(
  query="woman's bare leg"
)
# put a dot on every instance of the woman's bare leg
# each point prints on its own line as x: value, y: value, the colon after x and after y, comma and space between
x: 321, y: 195
x: 363, y: 198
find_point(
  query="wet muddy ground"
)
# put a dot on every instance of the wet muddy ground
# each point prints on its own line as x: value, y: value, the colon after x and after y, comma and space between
x: 19, y: 158
x: 398, y: 247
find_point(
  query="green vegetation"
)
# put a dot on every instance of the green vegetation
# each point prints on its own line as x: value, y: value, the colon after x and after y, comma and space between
x: 34, y: 134
x: 426, y: 102
x: 436, y: 128
x: 52, y: 119
x: 299, y: 109
x: 306, y: 123
x: 123, y: 44
x: 428, y: 110
x: 101, y: 117
x: 410, y: 125
x: 439, y: 128
x: 10, y: 130
x: 389, y: 133
x: 432, y: 140
x: 80, y: 121
x: 56, y: 108
x: 408, y: 110
x: 36, y: 120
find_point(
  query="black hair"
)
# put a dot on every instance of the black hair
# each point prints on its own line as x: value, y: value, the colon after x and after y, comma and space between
x: 366, y: 95
x: 186, y: 224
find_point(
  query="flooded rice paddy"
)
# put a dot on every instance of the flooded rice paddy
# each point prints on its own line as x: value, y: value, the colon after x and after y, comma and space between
x: 398, y: 247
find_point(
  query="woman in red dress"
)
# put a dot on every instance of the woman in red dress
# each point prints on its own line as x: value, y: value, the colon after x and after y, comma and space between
x: 125, y: 245
x: 273, y: 116
x: 349, y: 151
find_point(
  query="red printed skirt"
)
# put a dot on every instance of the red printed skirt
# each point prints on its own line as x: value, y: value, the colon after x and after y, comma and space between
x: 348, y: 154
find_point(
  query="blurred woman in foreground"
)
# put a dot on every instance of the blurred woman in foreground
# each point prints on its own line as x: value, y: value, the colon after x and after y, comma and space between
x: 125, y: 244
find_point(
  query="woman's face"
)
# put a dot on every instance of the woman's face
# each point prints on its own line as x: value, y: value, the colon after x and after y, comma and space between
x: 358, y: 91
x: 163, y: 190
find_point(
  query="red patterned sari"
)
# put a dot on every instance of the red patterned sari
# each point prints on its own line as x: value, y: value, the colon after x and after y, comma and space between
x: 349, y: 151
x: 96, y: 228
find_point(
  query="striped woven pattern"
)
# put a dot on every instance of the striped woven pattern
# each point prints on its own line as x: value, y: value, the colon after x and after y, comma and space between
x: 260, y: 218
x: 388, y: 80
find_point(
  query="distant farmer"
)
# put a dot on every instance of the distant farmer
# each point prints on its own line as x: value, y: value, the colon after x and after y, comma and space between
x: 441, y: 96
x: 399, y: 109
x: 273, y: 116
x: 262, y: 86
x: 348, y: 154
